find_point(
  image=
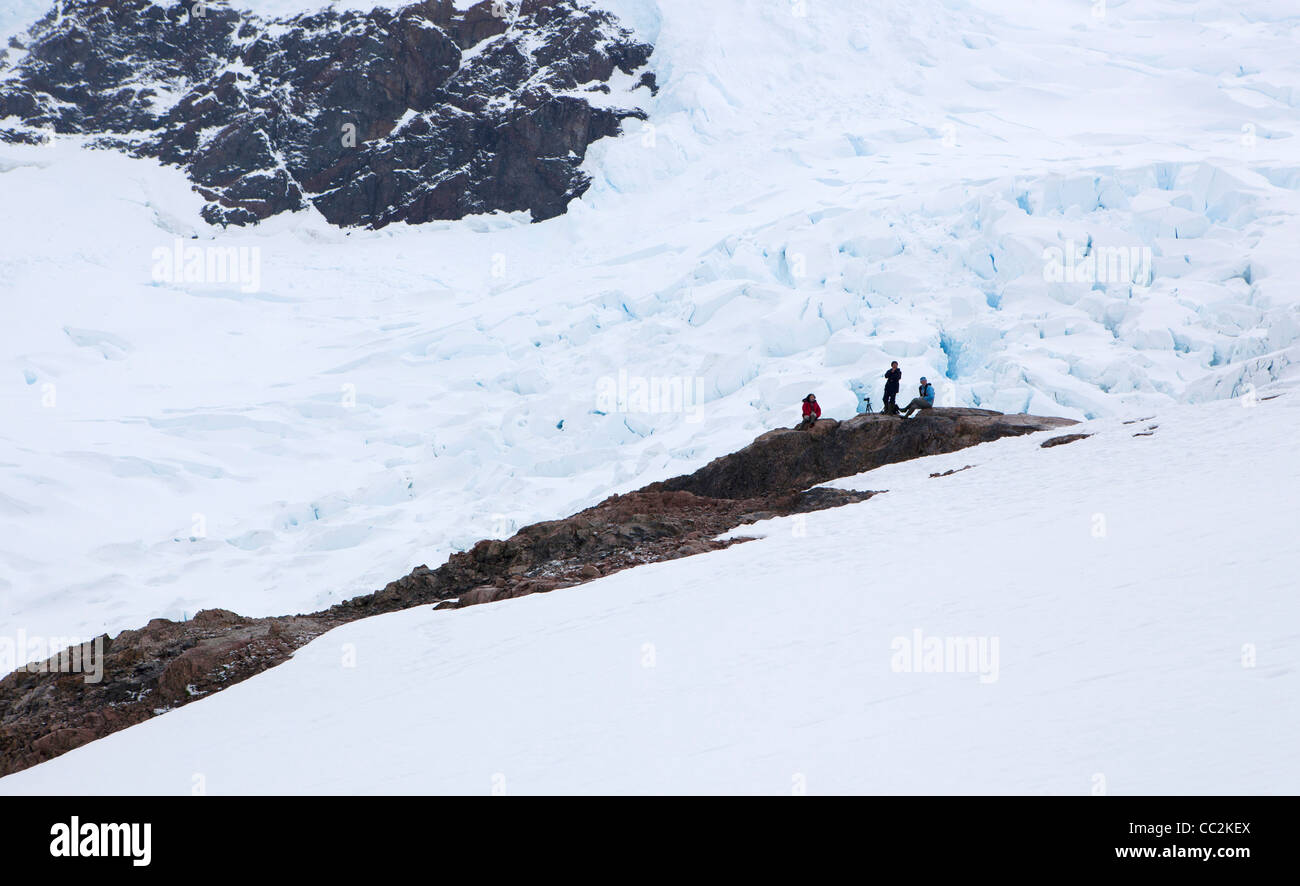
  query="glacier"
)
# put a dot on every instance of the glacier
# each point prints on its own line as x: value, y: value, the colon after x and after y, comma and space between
x: 819, y: 188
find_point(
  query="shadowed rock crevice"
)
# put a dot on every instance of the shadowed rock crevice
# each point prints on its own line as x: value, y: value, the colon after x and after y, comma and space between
x: 167, y: 664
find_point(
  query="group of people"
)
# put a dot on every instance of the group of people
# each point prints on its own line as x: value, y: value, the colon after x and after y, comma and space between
x: 924, y: 398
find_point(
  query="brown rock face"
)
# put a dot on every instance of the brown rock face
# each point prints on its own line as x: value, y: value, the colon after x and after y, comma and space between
x: 1063, y: 439
x: 793, y: 459
x: 167, y: 664
x: 146, y: 671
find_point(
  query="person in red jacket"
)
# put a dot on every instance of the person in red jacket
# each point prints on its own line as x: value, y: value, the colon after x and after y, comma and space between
x: 811, y: 412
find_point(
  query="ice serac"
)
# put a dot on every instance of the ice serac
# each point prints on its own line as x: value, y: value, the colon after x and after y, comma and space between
x: 788, y: 459
x: 414, y: 114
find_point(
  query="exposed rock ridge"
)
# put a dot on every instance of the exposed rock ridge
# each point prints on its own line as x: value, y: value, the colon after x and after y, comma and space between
x: 167, y: 664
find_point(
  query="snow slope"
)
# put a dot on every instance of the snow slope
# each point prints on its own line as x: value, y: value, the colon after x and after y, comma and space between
x: 1140, y: 590
x: 823, y: 187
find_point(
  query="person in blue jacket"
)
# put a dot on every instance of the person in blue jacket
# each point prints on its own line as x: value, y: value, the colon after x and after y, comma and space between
x: 923, y: 400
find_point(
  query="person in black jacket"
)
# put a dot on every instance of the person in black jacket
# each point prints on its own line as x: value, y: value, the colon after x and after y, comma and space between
x: 892, y: 378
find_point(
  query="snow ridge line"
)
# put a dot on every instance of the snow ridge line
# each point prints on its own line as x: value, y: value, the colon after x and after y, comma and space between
x: 168, y: 664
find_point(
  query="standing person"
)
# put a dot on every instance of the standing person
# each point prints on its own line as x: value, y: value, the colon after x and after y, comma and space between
x: 811, y: 412
x: 893, y: 376
x: 923, y: 400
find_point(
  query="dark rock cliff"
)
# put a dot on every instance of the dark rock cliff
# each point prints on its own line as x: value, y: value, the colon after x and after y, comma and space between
x: 415, y: 114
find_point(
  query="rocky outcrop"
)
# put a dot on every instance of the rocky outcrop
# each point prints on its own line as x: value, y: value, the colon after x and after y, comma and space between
x: 1063, y: 439
x: 622, y: 531
x: 145, y: 672
x: 796, y: 459
x: 167, y: 664
x: 420, y: 113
